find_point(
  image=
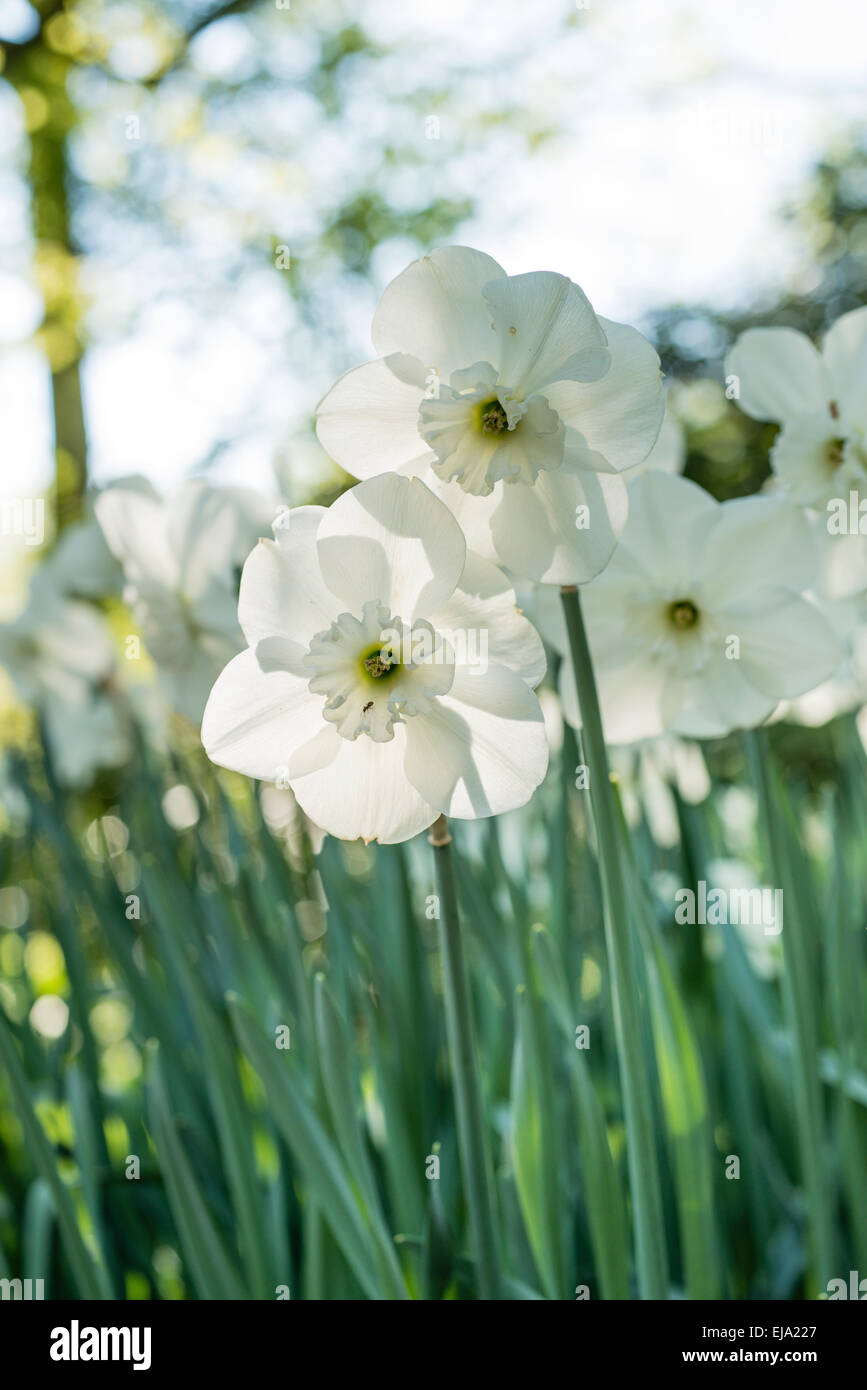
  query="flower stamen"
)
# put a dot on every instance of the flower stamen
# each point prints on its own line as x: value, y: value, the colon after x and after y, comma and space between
x: 493, y: 418
x: 683, y: 613
x: 377, y: 664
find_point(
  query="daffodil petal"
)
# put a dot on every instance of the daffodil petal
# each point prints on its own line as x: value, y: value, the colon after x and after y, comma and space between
x: 756, y: 542
x: 368, y: 421
x: 363, y: 792
x: 483, y: 749
x: 777, y: 374
x: 546, y: 331
x: 564, y: 528
x: 844, y: 354
x: 786, y: 645
x: 434, y: 310
x: 713, y: 703
x: 666, y: 531
x: 618, y: 416
x: 482, y: 616
x: 282, y: 591
x: 255, y: 720
x: 392, y: 540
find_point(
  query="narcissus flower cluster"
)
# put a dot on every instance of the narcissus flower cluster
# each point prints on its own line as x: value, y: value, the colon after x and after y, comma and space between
x: 500, y: 426
x: 372, y: 657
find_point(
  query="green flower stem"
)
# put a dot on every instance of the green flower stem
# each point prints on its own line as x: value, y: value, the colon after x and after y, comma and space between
x: 650, y: 1250
x: 475, y: 1158
x: 800, y: 1009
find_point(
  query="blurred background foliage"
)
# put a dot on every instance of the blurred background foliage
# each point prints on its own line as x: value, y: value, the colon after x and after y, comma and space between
x: 279, y: 162
x: 218, y: 152
x: 728, y: 452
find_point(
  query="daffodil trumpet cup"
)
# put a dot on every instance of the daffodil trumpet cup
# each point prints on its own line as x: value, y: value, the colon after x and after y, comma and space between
x: 647, y: 1215
x: 472, y: 1142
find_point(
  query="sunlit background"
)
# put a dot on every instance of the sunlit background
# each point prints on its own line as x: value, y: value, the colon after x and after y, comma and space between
x: 200, y: 204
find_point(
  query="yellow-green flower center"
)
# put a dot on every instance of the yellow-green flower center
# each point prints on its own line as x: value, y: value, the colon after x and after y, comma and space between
x: 379, y: 663
x: 683, y: 613
x: 492, y: 417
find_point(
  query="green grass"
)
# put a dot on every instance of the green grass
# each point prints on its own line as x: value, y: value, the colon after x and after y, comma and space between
x: 266, y: 1168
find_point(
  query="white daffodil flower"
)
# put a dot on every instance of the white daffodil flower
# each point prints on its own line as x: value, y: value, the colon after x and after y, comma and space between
x: 181, y: 559
x: 512, y: 399
x: 819, y: 399
x: 389, y: 676
x: 699, y: 625
x: 58, y: 655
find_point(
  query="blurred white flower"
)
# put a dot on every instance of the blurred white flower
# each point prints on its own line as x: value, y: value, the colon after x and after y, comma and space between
x: 361, y: 688
x: 682, y: 763
x: 648, y: 771
x: 56, y: 646
x: 839, y: 592
x: 86, y: 734
x: 842, y: 563
x: 699, y: 625
x: 846, y: 690
x: 59, y: 658
x: 761, y: 945
x: 510, y: 397
x: 80, y: 563
x: 287, y: 821
x: 181, y: 559
x: 820, y: 399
